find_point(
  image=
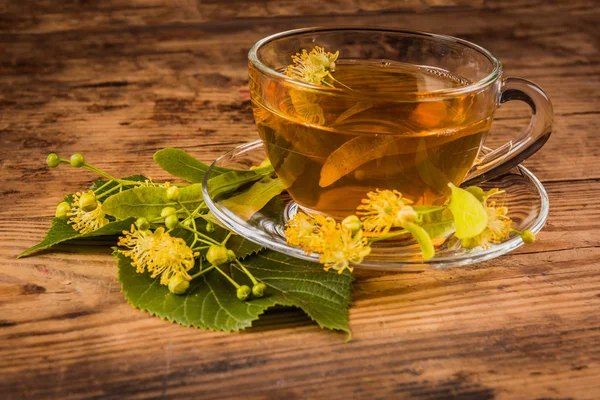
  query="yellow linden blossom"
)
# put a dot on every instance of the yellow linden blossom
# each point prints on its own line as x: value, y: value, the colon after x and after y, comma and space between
x: 339, y: 247
x: 342, y: 248
x: 86, y: 221
x: 312, y: 67
x: 384, y: 209
x: 497, y: 230
x: 306, y: 232
x: 158, y: 252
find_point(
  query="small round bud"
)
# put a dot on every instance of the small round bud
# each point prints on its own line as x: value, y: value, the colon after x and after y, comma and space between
x: 77, y: 160
x: 173, y: 193
x: 231, y: 255
x: 259, y: 289
x: 243, y: 292
x: 171, y: 221
x: 62, y: 210
x: 87, y: 202
x: 53, y: 160
x: 168, y: 211
x: 528, y: 237
x: 210, y: 227
x: 178, y: 285
x: 352, y: 223
x: 142, y: 223
x: 217, y: 255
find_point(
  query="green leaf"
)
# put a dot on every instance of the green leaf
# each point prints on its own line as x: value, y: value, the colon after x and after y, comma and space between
x: 422, y: 237
x: 234, y: 179
x: 254, y: 199
x: 147, y: 201
x: 61, y: 232
x: 179, y: 163
x: 470, y: 216
x: 211, y: 301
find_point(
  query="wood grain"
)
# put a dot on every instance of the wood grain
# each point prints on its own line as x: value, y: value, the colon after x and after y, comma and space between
x: 117, y: 80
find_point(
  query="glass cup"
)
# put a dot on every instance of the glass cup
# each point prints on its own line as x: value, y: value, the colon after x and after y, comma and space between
x: 407, y: 111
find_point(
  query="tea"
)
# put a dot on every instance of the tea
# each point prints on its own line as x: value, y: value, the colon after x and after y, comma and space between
x: 330, y: 149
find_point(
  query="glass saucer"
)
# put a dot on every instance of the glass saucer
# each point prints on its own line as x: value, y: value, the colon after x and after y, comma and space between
x: 525, y: 197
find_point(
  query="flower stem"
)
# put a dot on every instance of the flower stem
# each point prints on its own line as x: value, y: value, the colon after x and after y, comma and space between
x: 226, y: 238
x: 203, y: 238
x: 103, y: 186
x: 389, y: 236
x: 234, y: 283
x: 202, y: 272
x: 119, y: 186
x: 252, y: 278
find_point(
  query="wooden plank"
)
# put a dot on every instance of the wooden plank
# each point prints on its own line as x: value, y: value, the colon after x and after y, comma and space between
x: 118, y: 80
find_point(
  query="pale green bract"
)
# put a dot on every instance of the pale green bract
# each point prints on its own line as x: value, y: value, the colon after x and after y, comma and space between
x: 470, y: 216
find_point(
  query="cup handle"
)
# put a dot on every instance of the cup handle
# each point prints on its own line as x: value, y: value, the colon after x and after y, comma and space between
x: 511, y: 154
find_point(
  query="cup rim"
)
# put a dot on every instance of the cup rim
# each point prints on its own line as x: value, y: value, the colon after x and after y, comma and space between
x: 493, y: 76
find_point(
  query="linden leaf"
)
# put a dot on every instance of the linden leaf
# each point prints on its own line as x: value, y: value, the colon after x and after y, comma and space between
x: 148, y: 201
x: 211, y: 302
x: 255, y: 198
x: 470, y: 217
x: 234, y: 179
x: 61, y: 231
x: 181, y: 164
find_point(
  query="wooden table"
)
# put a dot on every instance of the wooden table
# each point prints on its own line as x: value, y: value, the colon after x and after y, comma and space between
x: 117, y: 80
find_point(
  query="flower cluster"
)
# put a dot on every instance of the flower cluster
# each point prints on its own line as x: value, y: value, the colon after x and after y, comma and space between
x: 86, y: 213
x: 384, y: 209
x: 313, y: 67
x: 158, y: 253
x: 338, y: 244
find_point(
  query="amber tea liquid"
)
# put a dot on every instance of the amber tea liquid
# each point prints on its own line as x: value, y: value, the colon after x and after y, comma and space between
x: 330, y: 150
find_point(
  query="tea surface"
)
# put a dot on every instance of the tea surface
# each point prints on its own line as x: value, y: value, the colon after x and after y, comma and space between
x: 330, y: 150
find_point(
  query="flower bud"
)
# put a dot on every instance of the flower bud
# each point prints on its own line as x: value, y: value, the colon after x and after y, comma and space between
x: 210, y: 227
x: 142, y: 223
x: 231, y: 255
x: 53, y: 160
x: 243, y: 292
x: 168, y: 211
x: 171, y: 221
x: 217, y: 255
x: 87, y: 202
x: 178, y: 284
x: 528, y: 237
x: 77, y: 160
x: 352, y: 223
x: 258, y: 290
x: 62, y: 210
x: 173, y: 193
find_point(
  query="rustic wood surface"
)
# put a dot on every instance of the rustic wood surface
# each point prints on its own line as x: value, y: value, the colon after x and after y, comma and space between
x: 117, y: 80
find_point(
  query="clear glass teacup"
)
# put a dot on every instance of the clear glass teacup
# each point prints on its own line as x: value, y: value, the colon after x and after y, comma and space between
x: 401, y: 110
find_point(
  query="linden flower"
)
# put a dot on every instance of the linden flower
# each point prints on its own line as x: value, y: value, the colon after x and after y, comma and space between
x: 497, y: 230
x: 158, y: 252
x: 318, y: 56
x: 385, y: 209
x: 306, y: 232
x: 312, y: 67
x: 342, y: 248
x: 339, y: 247
x: 140, y: 243
x: 86, y: 221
